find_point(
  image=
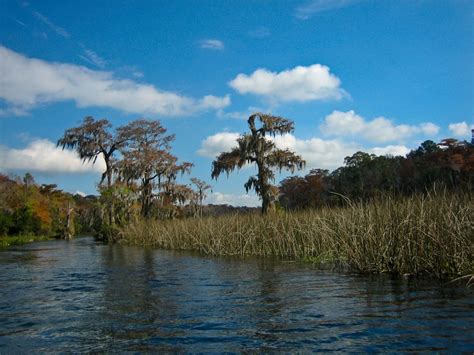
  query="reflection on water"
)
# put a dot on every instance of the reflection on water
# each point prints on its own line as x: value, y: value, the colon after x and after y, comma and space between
x: 85, y: 296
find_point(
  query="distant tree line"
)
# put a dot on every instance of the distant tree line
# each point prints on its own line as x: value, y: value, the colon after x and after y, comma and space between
x: 27, y: 208
x: 448, y: 164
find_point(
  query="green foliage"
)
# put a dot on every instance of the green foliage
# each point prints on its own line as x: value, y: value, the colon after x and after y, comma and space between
x: 29, y: 209
x: 449, y: 164
x: 6, y: 222
x: 7, y: 241
x: 25, y: 222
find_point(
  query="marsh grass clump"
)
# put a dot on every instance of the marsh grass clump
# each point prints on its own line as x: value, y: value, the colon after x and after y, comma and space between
x: 7, y: 241
x: 424, y: 234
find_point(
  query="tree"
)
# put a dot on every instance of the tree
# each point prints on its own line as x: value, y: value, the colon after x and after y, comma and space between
x: 426, y: 147
x: 92, y: 139
x: 174, y: 196
x: 146, y: 158
x: 201, y: 187
x: 309, y: 192
x: 28, y: 180
x: 256, y: 148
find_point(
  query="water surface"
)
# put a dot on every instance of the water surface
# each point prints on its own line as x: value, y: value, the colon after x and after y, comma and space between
x: 82, y: 296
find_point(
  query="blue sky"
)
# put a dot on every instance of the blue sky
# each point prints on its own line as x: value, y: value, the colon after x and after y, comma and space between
x: 379, y: 76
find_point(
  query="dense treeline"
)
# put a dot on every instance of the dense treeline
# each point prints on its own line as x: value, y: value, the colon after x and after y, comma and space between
x: 27, y: 208
x: 449, y: 164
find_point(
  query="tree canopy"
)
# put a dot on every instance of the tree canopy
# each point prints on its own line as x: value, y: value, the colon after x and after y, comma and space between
x: 256, y: 148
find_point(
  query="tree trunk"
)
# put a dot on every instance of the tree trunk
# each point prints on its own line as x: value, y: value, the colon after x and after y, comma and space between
x: 68, y: 228
x: 146, y: 199
x: 200, y: 204
x: 110, y: 204
x: 265, y: 205
x: 264, y: 188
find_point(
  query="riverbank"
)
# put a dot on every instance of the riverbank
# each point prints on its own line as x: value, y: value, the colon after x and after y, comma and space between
x: 7, y: 241
x: 420, y: 235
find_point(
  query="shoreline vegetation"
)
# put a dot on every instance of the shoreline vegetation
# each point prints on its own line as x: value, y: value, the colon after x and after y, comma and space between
x: 420, y: 235
x: 405, y: 215
x: 9, y: 241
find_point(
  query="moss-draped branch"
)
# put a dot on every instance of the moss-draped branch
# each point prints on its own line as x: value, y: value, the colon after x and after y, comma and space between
x: 255, y: 148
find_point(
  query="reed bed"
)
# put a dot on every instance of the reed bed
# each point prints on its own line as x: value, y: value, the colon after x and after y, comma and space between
x: 424, y: 234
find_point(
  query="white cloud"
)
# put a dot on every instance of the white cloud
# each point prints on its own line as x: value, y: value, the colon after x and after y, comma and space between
x: 26, y: 83
x: 214, y: 44
x: 305, y: 11
x: 393, y: 150
x: 215, y: 102
x: 330, y: 154
x: 318, y: 153
x: 13, y: 111
x: 217, y: 143
x: 460, y: 129
x: 429, y: 129
x: 80, y: 193
x: 218, y: 198
x: 300, y: 84
x: 43, y: 156
x: 378, y: 130
x: 342, y: 123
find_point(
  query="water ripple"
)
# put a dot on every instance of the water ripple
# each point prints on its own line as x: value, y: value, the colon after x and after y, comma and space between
x: 83, y: 296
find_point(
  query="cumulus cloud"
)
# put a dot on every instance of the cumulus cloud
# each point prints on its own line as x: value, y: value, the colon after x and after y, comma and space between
x: 330, y: 154
x: 378, y: 130
x: 299, y: 84
x: 27, y: 82
x: 43, y: 156
x: 393, y: 150
x: 305, y: 11
x: 219, y: 198
x: 217, y: 143
x: 460, y: 129
x: 318, y: 153
x: 214, y: 44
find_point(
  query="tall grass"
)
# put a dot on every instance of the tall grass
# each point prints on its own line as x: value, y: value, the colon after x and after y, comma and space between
x: 424, y: 234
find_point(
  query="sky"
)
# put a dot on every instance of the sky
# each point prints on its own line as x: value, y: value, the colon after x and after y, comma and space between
x: 377, y: 76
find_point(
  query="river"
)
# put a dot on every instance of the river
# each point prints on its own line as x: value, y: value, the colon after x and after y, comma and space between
x: 83, y: 296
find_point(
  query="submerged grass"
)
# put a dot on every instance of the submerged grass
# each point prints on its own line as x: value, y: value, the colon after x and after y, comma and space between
x: 6, y: 241
x: 424, y: 234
